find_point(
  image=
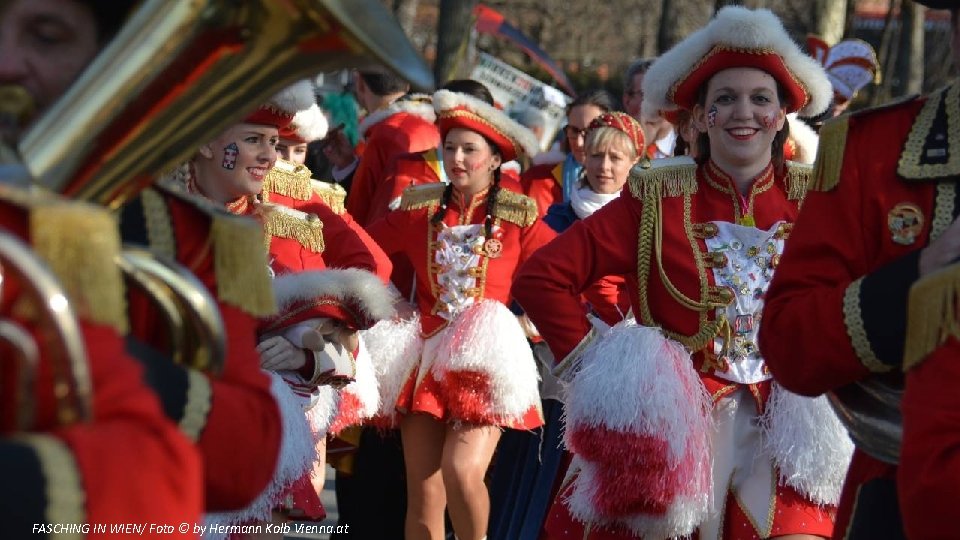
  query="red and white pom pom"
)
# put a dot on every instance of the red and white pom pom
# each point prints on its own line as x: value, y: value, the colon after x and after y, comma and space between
x: 360, y: 399
x: 395, y: 348
x: 808, y: 444
x: 638, y: 415
x: 486, y: 352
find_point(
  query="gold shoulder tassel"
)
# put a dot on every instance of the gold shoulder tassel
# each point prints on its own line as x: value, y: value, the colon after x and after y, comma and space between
x: 798, y: 179
x: 833, y: 141
x: 422, y: 196
x: 307, y: 229
x: 288, y: 179
x: 81, y: 244
x: 240, y: 262
x: 516, y: 208
x: 665, y: 181
x: 932, y: 314
x: 333, y: 195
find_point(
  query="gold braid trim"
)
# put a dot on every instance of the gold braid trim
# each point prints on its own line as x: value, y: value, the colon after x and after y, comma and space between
x: 798, y: 179
x: 667, y: 181
x: 333, y: 195
x: 932, y: 314
x: 159, y: 224
x: 833, y: 141
x: 288, y: 179
x: 516, y: 208
x: 855, y: 329
x: 240, y: 263
x: 911, y: 166
x: 66, y: 500
x: 307, y: 229
x: 81, y: 244
x: 197, y: 407
x: 422, y: 196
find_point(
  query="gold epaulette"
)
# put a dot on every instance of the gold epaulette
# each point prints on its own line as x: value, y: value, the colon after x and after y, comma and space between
x: 239, y: 254
x: 333, y: 195
x: 932, y: 314
x: 672, y: 178
x: 80, y: 243
x: 516, y: 208
x: 289, y: 179
x: 422, y: 196
x: 283, y: 222
x: 833, y: 142
x: 798, y: 180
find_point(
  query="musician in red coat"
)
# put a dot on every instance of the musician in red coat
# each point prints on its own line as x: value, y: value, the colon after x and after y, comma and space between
x: 475, y: 373
x: 880, y: 214
x: 395, y: 125
x: 678, y: 404
x: 84, y: 441
x: 231, y: 414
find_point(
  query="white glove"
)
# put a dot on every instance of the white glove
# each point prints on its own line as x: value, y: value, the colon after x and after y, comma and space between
x: 278, y: 353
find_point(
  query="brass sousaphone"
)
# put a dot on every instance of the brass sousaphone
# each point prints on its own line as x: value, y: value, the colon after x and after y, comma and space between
x: 176, y: 75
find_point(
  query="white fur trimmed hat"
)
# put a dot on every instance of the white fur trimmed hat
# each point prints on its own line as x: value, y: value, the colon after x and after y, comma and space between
x: 455, y: 110
x: 308, y: 125
x: 737, y: 37
x: 279, y: 110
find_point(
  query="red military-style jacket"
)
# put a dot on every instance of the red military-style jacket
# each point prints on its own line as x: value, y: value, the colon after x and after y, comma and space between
x: 231, y: 415
x: 125, y: 463
x: 310, y: 231
x: 401, y: 128
x: 411, y: 231
x: 544, y: 184
x: 836, y: 312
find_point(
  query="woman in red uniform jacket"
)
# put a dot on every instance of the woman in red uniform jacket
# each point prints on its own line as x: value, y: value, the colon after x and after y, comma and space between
x: 476, y: 373
x: 679, y: 405
x: 312, y: 297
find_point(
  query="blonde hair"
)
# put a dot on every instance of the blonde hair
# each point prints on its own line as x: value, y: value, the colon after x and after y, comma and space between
x: 606, y: 137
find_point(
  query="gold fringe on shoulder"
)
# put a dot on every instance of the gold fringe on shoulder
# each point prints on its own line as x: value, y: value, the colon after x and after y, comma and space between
x: 932, y: 314
x: 81, y: 244
x: 798, y: 179
x: 307, y: 229
x: 240, y: 262
x: 516, y: 208
x: 290, y: 180
x: 333, y: 195
x: 667, y: 181
x: 422, y: 196
x: 159, y: 224
x: 833, y: 142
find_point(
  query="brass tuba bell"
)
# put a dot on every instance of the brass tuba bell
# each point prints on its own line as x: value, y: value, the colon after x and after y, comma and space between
x: 180, y: 72
x: 27, y: 284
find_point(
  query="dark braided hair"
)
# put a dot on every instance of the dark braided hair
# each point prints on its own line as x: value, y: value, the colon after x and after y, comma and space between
x: 444, y: 203
x: 491, y: 204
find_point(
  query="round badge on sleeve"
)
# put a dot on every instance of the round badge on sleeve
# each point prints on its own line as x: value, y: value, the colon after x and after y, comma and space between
x: 905, y: 221
x: 493, y: 248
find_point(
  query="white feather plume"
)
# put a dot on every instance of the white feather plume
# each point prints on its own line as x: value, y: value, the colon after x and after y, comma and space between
x: 310, y: 124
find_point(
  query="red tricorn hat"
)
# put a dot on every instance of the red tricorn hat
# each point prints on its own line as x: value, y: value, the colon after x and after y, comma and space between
x: 279, y: 110
x: 736, y: 38
x: 455, y: 110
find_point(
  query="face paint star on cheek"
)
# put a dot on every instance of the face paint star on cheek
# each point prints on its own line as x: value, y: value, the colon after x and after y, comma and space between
x: 769, y: 121
x: 712, y: 116
x: 230, y: 153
